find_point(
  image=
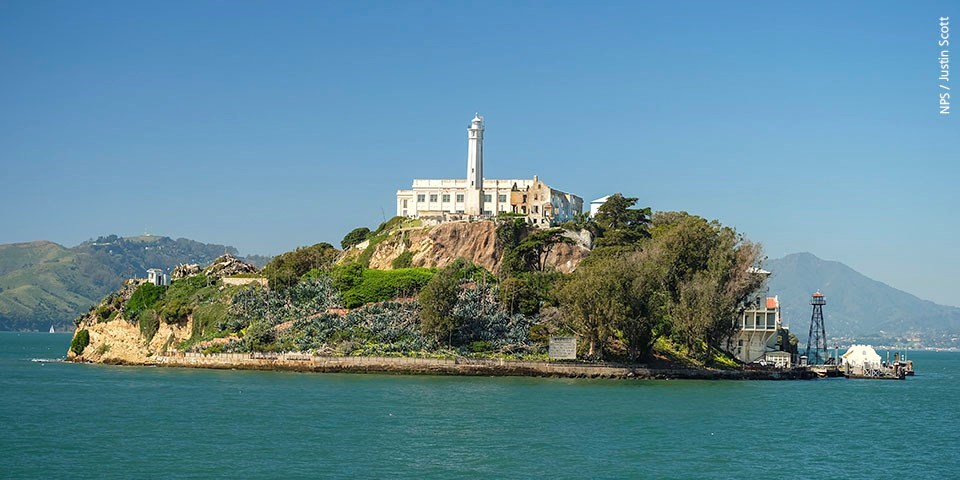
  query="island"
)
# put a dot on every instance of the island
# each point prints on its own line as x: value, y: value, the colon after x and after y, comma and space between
x: 643, y: 295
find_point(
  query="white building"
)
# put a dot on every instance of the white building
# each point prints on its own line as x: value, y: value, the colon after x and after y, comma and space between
x: 757, y: 327
x: 476, y: 196
x: 596, y: 204
x: 157, y: 277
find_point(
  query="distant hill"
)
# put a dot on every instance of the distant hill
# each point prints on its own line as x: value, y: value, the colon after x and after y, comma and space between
x: 856, y: 304
x: 42, y: 282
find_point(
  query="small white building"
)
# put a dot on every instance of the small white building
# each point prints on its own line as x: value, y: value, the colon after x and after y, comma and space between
x: 596, y: 204
x: 861, y: 359
x: 157, y: 277
x: 779, y: 359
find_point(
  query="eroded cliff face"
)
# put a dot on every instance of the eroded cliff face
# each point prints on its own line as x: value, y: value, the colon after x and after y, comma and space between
x: 120, y: 341
x: 440, y: 245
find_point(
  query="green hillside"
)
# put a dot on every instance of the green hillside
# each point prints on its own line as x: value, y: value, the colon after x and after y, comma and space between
x: 856, y: 305
x: 43, y: 283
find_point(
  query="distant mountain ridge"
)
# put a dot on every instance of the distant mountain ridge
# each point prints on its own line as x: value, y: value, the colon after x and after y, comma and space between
x: 42, y: 282
x: 856, y: 304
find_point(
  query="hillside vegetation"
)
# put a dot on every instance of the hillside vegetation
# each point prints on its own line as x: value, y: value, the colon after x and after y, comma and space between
x: 655, y: 286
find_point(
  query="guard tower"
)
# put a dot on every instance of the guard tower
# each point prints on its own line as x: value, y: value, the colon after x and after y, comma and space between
x: 817, y: 340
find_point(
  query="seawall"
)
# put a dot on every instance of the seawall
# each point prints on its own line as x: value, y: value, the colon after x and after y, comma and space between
x: 454, y: 366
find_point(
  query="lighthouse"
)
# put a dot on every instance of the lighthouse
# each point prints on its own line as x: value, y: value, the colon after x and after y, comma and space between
x: 474, y: 191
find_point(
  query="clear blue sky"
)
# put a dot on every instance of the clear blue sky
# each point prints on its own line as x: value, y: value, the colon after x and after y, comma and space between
x: 270, y: 125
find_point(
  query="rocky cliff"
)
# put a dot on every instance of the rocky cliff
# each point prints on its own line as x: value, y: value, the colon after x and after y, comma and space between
x: 440, y: 245
x: 116, y: 337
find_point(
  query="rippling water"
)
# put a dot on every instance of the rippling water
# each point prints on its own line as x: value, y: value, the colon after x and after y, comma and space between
x: 60, y: 419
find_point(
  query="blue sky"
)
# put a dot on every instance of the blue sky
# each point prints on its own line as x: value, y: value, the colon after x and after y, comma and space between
x: 270, y: 125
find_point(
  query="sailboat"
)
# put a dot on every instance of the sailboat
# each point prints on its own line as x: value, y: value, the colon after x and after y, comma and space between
x: 51, y: 329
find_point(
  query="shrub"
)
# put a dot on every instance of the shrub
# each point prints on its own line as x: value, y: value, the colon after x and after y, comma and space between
x: 207, y: 317
x: 286, y: 270
x: 103, y: 312
x: 102, y: 349
x: 145, y: 297
x: 404, y: 260
x: 345, y: 277
x: 389, y: 225
x: 355, y: 236
x: 149, y: 324
x: 80, y: 341
x: 180, y: 298
x: 380, y: 285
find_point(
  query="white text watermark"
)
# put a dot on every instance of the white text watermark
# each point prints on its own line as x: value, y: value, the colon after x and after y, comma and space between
x: 944, y: 78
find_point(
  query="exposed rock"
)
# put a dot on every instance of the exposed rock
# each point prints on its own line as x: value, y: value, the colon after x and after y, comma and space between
x: 440, y: 245
x: 118, y: 340
x: 581, y: 237
x: 228, y: 266
x: 185, y: 270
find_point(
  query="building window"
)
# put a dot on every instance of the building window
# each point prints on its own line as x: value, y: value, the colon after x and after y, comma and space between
x: 404, y: 203
x: 433, y: 197
x: 421, y: 198
x: 446, y: 197
x: 502, y: 198
x: 460, y: 197
x: 486, y: 197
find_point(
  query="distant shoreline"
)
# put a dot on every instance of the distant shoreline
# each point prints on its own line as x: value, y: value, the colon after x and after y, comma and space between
x: 458, y: 366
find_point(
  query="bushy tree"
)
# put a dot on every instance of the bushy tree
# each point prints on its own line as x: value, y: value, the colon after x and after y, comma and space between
x: 286, y: 270
x: 355, y: 236
x: 706, y: 269
x: 437, y: 300
x: 80, y: 341
x: 690, y: 280
x: 619, y: 223
x: 602, y: 297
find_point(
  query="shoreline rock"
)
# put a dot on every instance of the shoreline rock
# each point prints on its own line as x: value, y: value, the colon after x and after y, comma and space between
x: 458, y: 367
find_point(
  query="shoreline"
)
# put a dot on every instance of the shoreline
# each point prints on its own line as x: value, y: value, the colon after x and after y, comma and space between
x: 435, y: 366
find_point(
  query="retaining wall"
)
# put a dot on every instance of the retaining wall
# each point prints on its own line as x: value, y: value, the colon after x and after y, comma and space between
x: 453, y: 366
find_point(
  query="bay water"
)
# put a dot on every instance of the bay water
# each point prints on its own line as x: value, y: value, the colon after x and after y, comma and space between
x: 60, y: 420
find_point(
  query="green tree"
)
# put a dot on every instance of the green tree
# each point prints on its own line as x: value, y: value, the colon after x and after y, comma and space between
x: 527, y: 293
x: 619, y: 223
x: 704, y: 269
x: 439, y: 298
x: 355, y: 236
x: 80, y: 341
x: 532, y: 250
x: 594, y: 299
x: 286, y: 270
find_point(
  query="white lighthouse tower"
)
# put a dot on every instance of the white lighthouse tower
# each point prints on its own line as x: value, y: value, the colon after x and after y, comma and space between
x: 474, y: 194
